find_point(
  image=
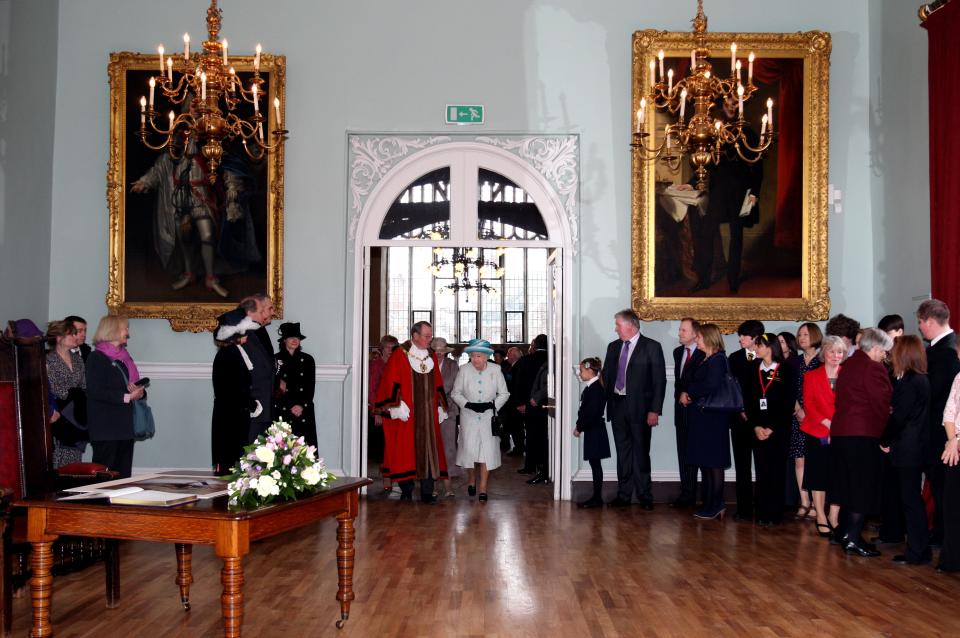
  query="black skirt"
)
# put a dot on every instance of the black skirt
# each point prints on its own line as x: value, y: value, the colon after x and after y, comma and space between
x: 816, y: 466
x: 856, y: 473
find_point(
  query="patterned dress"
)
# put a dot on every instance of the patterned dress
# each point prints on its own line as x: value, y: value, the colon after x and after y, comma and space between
x: 796, y: 436
x: 62, y: 379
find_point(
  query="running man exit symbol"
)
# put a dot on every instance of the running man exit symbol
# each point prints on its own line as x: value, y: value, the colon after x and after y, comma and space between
x: 464, y: 114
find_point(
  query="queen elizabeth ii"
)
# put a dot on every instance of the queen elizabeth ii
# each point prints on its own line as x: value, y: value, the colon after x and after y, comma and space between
x: 479, y: 390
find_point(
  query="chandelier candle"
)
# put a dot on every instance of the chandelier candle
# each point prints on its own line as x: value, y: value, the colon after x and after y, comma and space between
x: 186, y: 47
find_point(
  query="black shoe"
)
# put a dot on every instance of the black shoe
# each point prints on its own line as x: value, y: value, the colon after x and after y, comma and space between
x: 877, y: 540
x: 824, y: 530
x: 472, y: 490
x: 647, y: 504
x: 619, y: 502
x: 593, y: 501
x: 428, y: 499
x: 537, y: 480
x: 526, y: 470
x: 860, y: 549
x: 483, y: 497
x: 946, y: 570
x: 406, y: 497
x: 902, y: 559
x: 682, y: 503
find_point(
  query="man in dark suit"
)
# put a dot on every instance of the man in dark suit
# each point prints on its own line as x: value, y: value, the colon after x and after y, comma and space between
x: 933, y: 317
x: 743, y: 366
x: 634, y: 375
x: 259, y: 348
x: 686, y: 358
x: 534, y: 417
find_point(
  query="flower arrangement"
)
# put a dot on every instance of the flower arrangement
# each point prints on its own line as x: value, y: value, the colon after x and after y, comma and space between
x: 277, y: 464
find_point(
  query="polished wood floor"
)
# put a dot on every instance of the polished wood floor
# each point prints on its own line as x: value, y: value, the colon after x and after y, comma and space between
x: 521, y: 565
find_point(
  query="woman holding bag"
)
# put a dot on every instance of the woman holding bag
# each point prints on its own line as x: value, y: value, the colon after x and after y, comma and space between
x: 708, y: 441
x: 112, y: 388
x: 479, y: 390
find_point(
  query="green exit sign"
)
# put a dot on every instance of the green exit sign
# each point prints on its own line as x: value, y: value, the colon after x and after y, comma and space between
x: 464, y: 114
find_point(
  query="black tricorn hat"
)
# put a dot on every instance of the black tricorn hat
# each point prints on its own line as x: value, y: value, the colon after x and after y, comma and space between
x: 288, y: 330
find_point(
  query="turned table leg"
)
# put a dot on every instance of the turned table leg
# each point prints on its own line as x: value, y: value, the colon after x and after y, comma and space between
x: 184, y: 572
x: 232, y: 599
x: 111, y: 569
x: 41, y: 588
x: 345, y: 555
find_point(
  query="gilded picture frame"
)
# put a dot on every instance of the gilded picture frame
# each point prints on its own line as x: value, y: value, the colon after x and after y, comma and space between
x: 155, y: 247
x: 784, y: 283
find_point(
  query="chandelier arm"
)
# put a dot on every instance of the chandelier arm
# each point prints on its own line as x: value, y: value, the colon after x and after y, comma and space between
x: 143, y: 140
x: 762, y: 147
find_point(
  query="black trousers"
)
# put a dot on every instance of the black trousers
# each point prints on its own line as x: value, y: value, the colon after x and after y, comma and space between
x: 705, y: 231
x: 116, y: 455
x: 535, y: 422
x: 597, y: 470
x: 688, y: 473
x: 950, y: 553
x: 770, y: 457
x: 742, y: 437
x: 631, y: 435
x: 513, y: 422
x: 426, y: 486
x: 936, y: 475
x: 910, y: 480
x: 892, y: 523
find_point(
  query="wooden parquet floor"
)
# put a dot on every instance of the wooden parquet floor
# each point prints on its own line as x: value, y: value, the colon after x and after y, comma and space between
x: 519, y: 566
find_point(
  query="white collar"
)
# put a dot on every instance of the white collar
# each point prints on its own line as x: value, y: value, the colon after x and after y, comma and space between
x: 590, y: 382
x: 940, y: 336
x: 422, y: 352
x: 773, y: 366
x: 633, y: 340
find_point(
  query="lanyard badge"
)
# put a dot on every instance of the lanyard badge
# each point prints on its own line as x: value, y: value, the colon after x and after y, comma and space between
x: 765, y: 386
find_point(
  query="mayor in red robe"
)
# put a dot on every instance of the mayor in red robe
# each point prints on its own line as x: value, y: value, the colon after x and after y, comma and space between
x: 413, y: 402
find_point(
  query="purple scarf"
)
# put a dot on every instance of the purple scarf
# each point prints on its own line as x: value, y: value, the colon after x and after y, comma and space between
x: 119, y: 353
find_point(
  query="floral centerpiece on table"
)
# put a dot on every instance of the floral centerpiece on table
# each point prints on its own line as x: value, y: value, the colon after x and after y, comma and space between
x: 276, y: 465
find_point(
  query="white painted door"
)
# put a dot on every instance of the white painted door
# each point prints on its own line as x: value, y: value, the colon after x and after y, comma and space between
x: 555, y: 367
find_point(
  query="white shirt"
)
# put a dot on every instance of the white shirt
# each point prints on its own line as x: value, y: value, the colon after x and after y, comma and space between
x: 631, y: 344
x: 589, y: 382
x: 940, y: 336
x: 767, y: 368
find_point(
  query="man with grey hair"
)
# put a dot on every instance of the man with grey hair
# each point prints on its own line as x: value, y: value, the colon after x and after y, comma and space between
x: 634, y: 374
x: 933, y: 320
x: 259, y: 308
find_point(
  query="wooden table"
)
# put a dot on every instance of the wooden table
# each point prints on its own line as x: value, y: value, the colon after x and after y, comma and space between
x: 208, y: 522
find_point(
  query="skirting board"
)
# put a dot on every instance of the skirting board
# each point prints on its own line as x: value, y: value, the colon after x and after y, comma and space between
x: 660, y: 476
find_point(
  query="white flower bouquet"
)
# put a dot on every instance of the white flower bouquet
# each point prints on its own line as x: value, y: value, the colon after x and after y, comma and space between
x: 276, y: 465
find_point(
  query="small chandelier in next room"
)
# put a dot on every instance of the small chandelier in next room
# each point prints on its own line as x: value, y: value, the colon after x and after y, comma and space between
x: 207, y: 87
x: 702, y: 136
x: 469, y: 270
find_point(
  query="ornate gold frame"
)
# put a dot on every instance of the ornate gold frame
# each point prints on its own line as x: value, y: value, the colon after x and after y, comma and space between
x: 814, y: 303
x: 194, y: 317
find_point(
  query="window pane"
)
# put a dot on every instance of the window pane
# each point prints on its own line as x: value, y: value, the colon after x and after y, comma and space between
x: 398, y: 299
x: 422, y: 210
x: 468, y: 326
x: 444, y: 303
x: 421, y: 290
x: 513, y: 294
x: 505, y: 211
x: 514, y: 327
x: 491, y: 319
x: 536, y: 292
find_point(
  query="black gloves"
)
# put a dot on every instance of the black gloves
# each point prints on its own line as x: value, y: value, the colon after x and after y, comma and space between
x: 479, y: 407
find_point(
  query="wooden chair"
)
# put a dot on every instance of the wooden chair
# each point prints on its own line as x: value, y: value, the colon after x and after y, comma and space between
x: 26, y: 468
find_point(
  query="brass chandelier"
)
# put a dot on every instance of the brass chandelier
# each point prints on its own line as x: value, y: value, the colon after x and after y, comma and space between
x: 703, y: 136
x: 469, y: 270
x: 210, y: 92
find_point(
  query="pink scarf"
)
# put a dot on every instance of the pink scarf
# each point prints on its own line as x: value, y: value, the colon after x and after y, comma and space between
x: 119, y: 353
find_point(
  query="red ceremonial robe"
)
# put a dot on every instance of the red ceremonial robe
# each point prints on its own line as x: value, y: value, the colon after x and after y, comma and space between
x: 396, y: 385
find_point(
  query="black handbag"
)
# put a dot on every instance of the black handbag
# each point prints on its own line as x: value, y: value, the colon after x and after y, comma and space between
x: 727, y: 398
x: 496, y: 424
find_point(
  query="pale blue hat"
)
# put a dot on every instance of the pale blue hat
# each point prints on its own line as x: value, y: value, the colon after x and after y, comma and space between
x: 479, y: 345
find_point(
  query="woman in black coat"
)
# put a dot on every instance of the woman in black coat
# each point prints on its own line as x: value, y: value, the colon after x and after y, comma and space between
x: 708, y: 439
x: 906, y: 438
x: 111, y: 390
x: 590, y: 423
x: 769, y: 401
x: 233, y: 403
x: 298, y: 376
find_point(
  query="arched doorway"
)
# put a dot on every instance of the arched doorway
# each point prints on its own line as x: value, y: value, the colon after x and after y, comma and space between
x: 445, y: 177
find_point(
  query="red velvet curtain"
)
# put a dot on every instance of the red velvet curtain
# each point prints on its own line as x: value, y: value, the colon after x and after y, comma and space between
x: 788, y: 122
x: 944, y: 90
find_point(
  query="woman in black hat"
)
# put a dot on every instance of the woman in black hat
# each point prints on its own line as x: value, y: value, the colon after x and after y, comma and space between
x: 298, y: 373
x: 233, y: 404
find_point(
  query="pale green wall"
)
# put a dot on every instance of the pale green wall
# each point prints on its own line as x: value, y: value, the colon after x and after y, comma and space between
x: 561, y: 66
x: 28, y: 84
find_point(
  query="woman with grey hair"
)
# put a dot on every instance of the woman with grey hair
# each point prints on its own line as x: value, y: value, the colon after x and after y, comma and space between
x: 863, y: 394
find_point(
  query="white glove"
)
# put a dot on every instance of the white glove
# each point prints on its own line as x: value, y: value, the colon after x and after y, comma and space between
x: 441, y: 413
x: 401, y: 412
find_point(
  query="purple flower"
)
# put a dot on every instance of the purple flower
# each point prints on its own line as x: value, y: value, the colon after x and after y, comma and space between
x: 293, y: 470
x: 287, y: 459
